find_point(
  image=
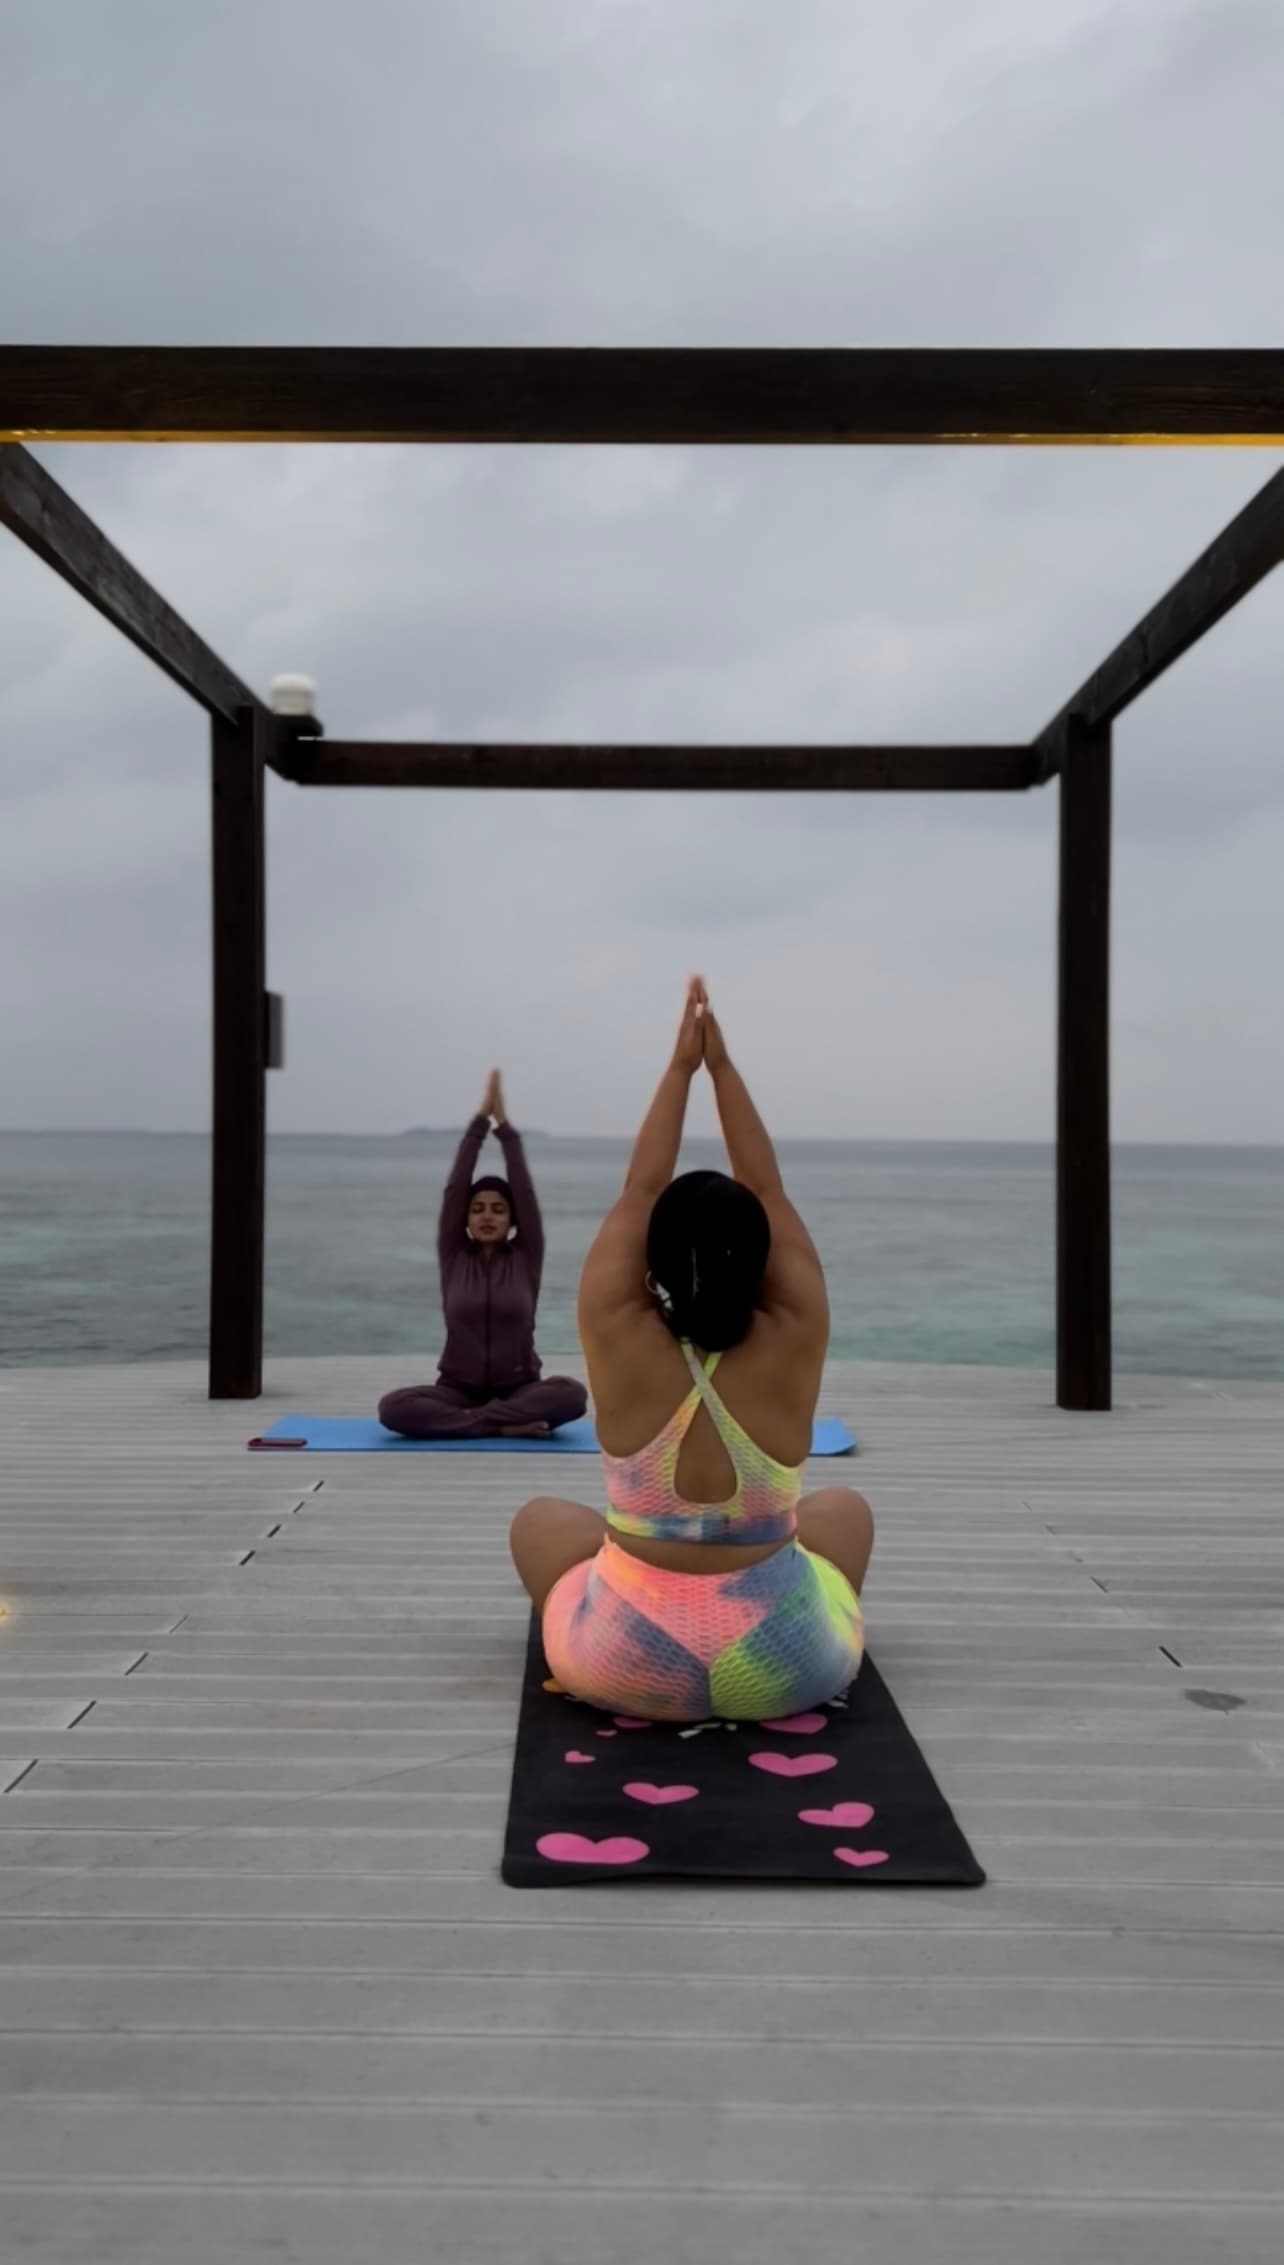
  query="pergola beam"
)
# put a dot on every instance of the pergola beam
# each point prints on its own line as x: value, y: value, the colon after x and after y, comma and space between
x: 664, y: 769
x: 772, y: 395
x: 43, y: 516
x: 1244, y: 553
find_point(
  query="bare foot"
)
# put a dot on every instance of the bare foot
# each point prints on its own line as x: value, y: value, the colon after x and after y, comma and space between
x: 525, y: 1431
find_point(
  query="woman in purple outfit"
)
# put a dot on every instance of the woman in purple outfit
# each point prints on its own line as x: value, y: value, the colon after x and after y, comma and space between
x: 490, y: 1244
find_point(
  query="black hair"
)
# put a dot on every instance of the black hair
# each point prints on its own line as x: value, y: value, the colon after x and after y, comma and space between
x: 492, y: 1185
x: 706, y: 1251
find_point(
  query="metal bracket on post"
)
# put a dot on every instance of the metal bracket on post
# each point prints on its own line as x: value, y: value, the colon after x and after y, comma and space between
x: 273, y: 1030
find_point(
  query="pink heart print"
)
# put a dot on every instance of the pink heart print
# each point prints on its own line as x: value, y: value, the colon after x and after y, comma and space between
x: 606, y: 1734
x: 859, y: 1858
x: 629, y: 1722
x: 794, y: 1765
x: 574, y: 1756
x: 853, y: 1813
x: 660, y: 1796
x: 573, y: 1848
x: 801, y: 1725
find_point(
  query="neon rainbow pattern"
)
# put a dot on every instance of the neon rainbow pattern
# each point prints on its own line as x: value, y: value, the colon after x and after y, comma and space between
x: 642, y: 1493
x: 781, y: 1636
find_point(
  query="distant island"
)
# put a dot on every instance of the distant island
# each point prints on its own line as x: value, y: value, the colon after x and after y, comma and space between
x: 451, y: 1132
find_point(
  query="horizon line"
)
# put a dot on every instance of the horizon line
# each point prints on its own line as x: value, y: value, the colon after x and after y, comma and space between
x: 811, y: 1140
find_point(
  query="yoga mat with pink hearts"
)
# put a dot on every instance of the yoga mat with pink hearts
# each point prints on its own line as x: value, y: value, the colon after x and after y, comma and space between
x: 840, y: 1796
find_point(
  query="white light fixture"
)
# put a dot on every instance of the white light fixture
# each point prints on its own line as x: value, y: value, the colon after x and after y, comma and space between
x: 293, y: 696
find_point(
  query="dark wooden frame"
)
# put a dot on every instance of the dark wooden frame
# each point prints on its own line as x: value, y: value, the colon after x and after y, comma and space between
x: 729, y: 396
x: 721, y: 395
x: 242, y: 1020
x: 1083, y: 1069
x: 637, y: 769
x: 44, y: 517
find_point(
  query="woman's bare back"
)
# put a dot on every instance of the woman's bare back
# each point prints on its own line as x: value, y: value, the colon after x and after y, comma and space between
x: 770, y: 1384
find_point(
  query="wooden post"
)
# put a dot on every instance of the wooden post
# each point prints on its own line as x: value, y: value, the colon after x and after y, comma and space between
x: 1083, y: 1071
x: 240, y: 1056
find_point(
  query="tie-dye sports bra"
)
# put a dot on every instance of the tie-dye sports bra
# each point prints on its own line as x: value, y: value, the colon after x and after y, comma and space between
x: 644, y: 1500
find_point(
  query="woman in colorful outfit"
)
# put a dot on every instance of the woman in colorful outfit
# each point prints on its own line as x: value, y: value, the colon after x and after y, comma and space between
x: 715, y: 1587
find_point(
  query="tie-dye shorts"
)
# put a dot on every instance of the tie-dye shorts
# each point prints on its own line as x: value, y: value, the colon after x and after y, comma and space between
x: 783, y: 1635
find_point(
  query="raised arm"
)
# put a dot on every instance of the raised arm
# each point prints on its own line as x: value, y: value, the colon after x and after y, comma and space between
x: 655, y: 1151
x: 452, y: 1223
x: 795, y: 1278
x: 614, y: 1278
x: 750, y: 1150
x: 526, y: 1211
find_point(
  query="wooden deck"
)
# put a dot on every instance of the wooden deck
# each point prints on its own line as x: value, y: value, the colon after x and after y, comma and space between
x: 264, y: 1996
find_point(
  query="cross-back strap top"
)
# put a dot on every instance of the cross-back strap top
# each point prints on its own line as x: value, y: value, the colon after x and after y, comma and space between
x: 642, y: 1493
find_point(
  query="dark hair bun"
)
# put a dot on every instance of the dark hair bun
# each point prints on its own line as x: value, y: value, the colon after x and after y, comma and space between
x: 707, y: 1247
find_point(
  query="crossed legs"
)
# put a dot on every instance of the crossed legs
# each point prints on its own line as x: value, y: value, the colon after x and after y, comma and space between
x: 442, y: 1411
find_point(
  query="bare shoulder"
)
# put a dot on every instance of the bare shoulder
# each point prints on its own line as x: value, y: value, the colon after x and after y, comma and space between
x: 637, y: 1374
x: 613, y: 1291
x: 771, y: 1383
x: 794, y: 1291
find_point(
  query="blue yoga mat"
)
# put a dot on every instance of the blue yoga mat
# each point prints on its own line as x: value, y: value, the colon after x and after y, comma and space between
x: 360, y: 1435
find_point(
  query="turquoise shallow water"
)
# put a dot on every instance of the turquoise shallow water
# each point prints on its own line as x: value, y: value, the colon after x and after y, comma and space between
x: 934, y: 1253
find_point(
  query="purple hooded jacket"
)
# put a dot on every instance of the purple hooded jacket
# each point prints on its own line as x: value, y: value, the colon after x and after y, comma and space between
x: 489, y: 1304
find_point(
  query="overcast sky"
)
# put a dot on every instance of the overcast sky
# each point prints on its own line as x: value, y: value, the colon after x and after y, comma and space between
x: 669, y: 172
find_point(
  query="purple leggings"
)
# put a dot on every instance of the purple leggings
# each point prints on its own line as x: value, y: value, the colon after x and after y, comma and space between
x: 446, y: 1411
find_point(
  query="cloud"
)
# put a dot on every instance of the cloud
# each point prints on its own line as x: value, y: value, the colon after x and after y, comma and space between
x: 611, y: 172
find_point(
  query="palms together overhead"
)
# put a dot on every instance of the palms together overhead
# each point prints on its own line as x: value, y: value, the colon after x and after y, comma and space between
x: 700, y: 1036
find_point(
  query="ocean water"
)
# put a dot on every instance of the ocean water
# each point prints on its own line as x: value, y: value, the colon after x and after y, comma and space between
x: 933, y: 1253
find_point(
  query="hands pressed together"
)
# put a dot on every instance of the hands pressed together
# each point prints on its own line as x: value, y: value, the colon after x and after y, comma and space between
x: 493, y: 1099
x: 700, y: 1038
x: 700, y: 1041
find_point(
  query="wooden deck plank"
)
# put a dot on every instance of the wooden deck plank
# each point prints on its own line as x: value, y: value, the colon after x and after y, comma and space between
x: 434, y: 2070
x: 781, y: 2149
x: 199, y: 2224
x: 252, y: 1934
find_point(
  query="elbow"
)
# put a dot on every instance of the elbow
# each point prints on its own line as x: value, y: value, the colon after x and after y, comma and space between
x: 646, y: 1185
